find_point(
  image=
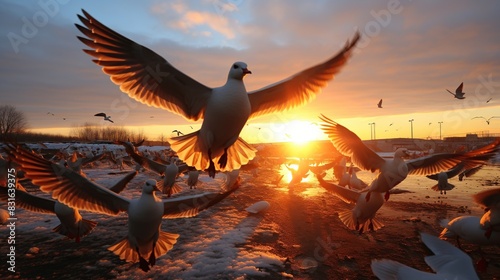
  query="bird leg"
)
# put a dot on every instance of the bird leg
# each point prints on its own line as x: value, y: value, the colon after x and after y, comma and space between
x: 368, y: 194
x: 152, y: 258
x: 143, y: 264
x: 386, y: 196
x: 482, y: 263
x: 223, y: 159
x: 488, y: 232
x: 211, y: 167
x: 370, y: 226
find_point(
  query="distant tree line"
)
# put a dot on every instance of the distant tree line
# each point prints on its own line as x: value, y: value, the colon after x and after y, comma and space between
x: 89, y: 132
x: 14, y: 124
x: 12, y: 121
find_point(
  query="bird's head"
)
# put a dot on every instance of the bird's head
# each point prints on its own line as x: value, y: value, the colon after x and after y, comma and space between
x: 401, y: 153
x: 150, y: 186
x: 238, y: 70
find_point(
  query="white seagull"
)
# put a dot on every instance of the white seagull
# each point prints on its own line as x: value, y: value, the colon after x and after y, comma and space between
x: 145, y: 240
x: 192, y: 180
x: 487, y: 120
x: 490, y: 200
x: 106, y: 118
x: 362, y: 216
x: 72, y: 224
x: 448, y: 262
x: 171, y: 172
x: 149, y: 78
x: 459, y: 94
x: 394, y: 171
x: 442, y: 177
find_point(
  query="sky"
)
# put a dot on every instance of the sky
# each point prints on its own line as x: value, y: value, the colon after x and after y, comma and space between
x: 409, y: 54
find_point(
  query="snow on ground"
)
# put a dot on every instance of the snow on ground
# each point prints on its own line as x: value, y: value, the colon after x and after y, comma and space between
x: 211, y: 245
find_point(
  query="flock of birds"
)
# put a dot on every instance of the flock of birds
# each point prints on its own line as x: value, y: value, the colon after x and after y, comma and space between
x: 72, y: 191
x: 150, y: 79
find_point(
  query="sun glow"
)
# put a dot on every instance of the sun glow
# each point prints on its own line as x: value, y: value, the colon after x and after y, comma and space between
x: 302, y: 132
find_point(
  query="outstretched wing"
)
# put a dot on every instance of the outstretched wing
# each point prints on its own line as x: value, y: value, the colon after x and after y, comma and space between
x: 345, y: 194
x: 29, y: 202
x: 141, y: 73
x: 440, y: 162
x: 488, y: 198
x: 460, y: 88
x: 185, y: 207
x: 67, y: 186
x: 301, y: 87
x: 349, y: 144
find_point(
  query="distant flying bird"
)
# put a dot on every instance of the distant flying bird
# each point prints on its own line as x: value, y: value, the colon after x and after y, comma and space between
x: 380, y: 103
x: 179, y: 133
x: 391, y: 172
x: 106, y: 118
x: 488, y: 101
x: 487, y: 120
x: 149, y: 78
x: 459, y: 94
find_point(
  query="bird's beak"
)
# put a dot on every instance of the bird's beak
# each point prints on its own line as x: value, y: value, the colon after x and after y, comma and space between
x: 246, y: 71
x: 156, y: 189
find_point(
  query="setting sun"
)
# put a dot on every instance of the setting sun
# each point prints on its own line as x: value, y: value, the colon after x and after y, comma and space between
x: 301, y: 132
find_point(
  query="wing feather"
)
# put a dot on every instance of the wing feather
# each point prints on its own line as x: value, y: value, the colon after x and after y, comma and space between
x: 301, y: 87
x: 141, y: 73
x: 67, y: 186
x: 349, y: 144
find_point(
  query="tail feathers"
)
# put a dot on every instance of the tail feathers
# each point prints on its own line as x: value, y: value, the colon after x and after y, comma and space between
x: 347, y: 217
x: 84, y: 228
x: 165, y: 242
x: 186, y: 147
x: 172, y: 190
x: 447, y: 188
x: 127, y: 253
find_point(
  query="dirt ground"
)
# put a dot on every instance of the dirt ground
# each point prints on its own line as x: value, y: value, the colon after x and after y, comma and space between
x: 319, y: 246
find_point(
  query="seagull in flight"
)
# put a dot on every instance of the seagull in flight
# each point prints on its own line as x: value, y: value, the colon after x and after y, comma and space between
x: 106, y: 118
x: 391, y: 172
x: 179, y: 133
x: 459, y: 94
x: 151, y: 79
x: 380, y: 103
x: 487, y: 120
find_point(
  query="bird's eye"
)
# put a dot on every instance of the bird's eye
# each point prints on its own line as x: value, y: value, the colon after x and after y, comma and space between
x: 235, y: 66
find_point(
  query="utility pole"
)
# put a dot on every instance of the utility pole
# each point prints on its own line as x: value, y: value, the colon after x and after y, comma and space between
x: 411, y: 127
x: 372, y: 130
x: 440, y: 130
